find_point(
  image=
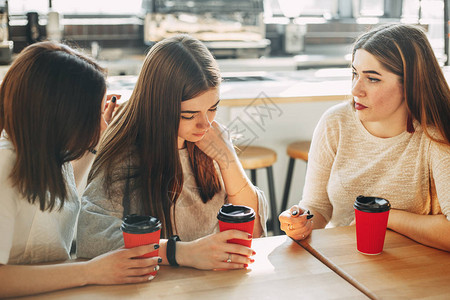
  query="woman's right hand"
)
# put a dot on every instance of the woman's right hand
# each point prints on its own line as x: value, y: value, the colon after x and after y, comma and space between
x: 295, y: 223
x: 212, y: 251
x: 121, y: 266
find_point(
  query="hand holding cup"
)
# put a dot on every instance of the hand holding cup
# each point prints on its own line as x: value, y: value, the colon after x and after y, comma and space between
x: 141, y: 230
x: 119, y: 267
x: 214, y: 252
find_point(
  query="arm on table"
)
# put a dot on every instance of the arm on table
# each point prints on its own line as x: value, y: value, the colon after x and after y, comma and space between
x: 430, y: 230
x: 116, y: 267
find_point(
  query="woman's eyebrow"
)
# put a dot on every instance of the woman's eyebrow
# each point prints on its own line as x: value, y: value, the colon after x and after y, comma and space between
x: 368, y: 71
x: 217, y: 103
x: 196, y: 111
x: 371, y: 72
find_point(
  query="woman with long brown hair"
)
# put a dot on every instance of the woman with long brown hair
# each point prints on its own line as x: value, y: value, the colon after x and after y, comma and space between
x: 51, y: 114
x: 391, y: 141
x: 165, y: 156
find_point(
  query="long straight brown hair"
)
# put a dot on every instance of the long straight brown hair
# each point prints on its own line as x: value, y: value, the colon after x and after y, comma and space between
x: 175, y: 69
x: 405, y: 51
x: 50, y: 109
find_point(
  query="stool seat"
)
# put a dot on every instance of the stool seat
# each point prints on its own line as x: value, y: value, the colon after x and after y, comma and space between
x: 299, y: 150
x: 254, y: 157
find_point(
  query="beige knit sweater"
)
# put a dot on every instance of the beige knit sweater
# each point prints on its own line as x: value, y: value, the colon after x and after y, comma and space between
x: 345, y: 161
x: 101, y: 216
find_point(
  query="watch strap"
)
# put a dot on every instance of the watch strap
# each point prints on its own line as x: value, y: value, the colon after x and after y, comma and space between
x: 171, y: 250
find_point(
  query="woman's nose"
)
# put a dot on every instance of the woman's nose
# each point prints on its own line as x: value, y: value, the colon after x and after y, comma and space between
x: 357, y: 88
x: 204, y: 122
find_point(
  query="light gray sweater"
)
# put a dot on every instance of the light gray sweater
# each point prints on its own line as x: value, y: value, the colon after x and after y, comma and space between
x: 345, y: 160
x: 101, y: 217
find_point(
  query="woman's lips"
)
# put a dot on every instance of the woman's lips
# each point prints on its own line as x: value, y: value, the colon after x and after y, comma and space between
x: 359, y: 106
x: 200, y: 134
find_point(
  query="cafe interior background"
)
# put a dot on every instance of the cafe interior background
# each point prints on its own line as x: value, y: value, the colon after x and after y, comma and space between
x: 261, y: 46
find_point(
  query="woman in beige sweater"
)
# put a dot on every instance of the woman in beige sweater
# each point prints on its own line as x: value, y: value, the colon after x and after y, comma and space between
x: 391, y: 141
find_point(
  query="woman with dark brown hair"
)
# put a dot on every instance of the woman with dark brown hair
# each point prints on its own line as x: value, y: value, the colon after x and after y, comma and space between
x: 165, y: 156
x: 51, y: 115
x: 392, y: 140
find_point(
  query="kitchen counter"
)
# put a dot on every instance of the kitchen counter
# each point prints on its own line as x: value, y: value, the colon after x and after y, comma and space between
x: 243, y: 88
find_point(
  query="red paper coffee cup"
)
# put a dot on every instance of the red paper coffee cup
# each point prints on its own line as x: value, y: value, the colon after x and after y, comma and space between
x: 371, y: 215
x: 141, y: 230
x: 238, y: 217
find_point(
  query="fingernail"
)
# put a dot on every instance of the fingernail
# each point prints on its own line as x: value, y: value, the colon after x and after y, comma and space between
x: 252, y: 260
x: 159, y: 260
x: 156, y: 246
x: 156, y: 268
x: 245, y: 265
x: 151, y: 277
x: 113, y: 100
x: 294, y: 213
x: 309, y: 217
x: 254, y: 253
x: 250, y: 236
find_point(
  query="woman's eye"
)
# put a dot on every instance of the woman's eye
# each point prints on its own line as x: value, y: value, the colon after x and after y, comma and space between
x: 371, y: 79
x: 354, y: 74
x: 187, y: 118
x: 214, y: 109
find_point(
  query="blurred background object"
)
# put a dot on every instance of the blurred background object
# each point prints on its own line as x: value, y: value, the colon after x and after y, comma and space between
x: 33, y: 28
x: 316, y: 31
x: 229, y: 28
x: 6, y: 45
x: 54, y: 28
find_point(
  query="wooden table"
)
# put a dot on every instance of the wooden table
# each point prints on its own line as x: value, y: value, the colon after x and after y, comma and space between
x: 282, y: 270
x: 404, y: 270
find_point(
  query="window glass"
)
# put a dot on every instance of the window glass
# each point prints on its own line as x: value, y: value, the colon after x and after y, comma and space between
x: 371, y: 8
x: 302, y: 7
x: 21, y: 7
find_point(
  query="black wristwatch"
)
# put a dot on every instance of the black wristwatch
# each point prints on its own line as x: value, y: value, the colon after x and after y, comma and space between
x: 171, y: 250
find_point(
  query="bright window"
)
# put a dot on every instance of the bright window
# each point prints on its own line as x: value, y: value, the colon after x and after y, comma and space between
x: 21, y: 7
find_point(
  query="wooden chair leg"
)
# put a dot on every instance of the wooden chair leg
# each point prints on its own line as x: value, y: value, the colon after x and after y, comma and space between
x: 253, y: 176
x: 273, y: 204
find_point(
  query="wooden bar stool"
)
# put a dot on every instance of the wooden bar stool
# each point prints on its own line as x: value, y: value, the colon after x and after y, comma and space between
x: 296, y: 150
x: 253, y: 158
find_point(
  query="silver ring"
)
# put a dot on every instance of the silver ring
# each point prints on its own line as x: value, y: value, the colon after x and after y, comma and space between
x: 303, y: 235
x: 229, y: 258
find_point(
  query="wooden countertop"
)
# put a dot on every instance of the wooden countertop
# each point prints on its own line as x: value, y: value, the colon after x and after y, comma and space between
x: 404, y: 270
x: 332, y: 84
x: 282, y: 270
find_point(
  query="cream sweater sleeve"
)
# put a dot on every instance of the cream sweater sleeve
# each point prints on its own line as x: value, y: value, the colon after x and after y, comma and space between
x: 320, y: 161
x: 440, y: 169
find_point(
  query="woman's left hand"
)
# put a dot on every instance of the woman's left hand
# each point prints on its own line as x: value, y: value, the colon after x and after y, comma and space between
x: 216, y: 143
